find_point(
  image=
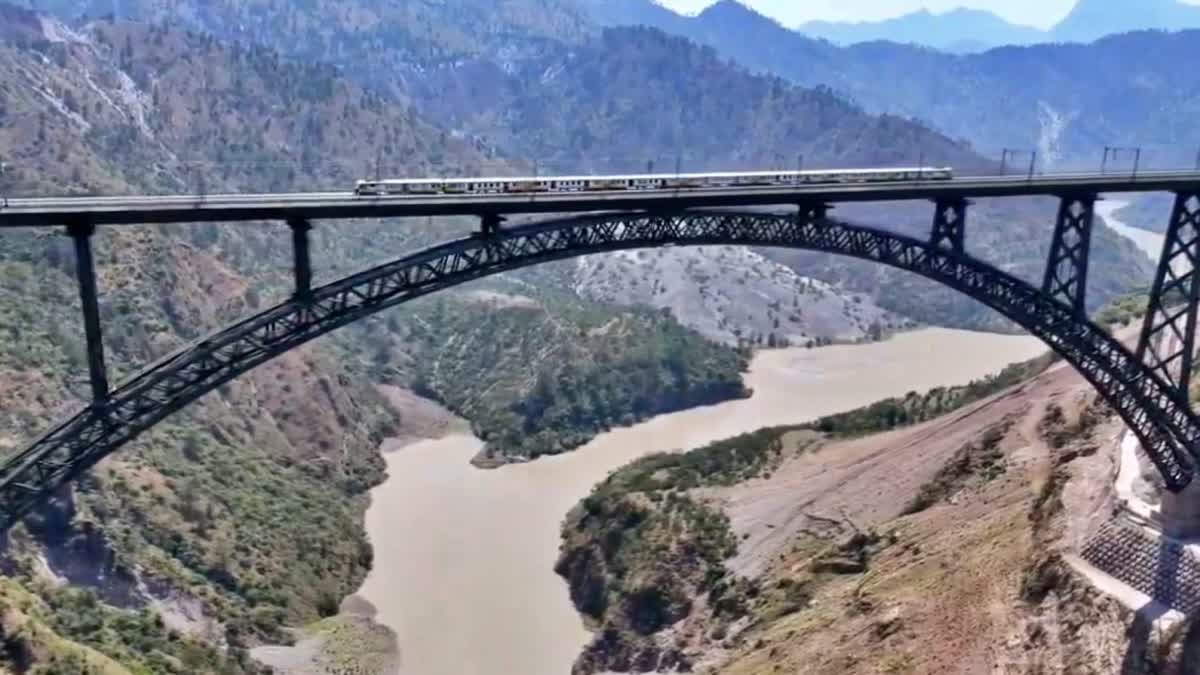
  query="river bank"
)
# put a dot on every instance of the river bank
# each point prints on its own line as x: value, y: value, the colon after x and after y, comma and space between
x: 463, y: 568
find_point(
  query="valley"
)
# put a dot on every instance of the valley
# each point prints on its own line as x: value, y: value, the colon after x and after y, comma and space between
x: 721, y: 459
x: 488, y: 538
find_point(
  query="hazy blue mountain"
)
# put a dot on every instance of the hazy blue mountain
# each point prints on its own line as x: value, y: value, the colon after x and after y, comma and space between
x: 1092, y: 19
x: 959, y: 30
x: 956, y: 31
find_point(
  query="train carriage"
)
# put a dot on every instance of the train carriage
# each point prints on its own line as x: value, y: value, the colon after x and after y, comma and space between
x: 681, y: 181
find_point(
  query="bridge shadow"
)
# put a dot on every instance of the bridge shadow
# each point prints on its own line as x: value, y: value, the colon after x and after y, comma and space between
x: 1139, y: 656
x: 1190, y: 661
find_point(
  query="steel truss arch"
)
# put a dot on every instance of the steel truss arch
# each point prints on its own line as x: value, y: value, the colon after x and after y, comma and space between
x: 1169, y: 431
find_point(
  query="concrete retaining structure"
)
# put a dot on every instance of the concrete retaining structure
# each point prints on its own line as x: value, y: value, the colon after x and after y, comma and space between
x: 1163, y: 568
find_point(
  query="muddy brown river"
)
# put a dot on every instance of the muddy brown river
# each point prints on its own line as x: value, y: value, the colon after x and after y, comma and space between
x: 464, y: 557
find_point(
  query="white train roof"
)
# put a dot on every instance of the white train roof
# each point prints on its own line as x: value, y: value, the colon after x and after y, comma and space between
x: 652, y: 176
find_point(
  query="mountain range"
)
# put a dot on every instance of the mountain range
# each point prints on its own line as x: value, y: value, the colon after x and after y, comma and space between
x: 1058, y: 99
x: 958, y: 30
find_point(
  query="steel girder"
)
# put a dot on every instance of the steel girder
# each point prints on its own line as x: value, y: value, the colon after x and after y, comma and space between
x: 1168, y: 430
x: 1168, y: 340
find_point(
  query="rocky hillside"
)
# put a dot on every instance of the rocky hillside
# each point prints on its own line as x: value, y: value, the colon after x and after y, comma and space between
x: 119, y: 105
x: 868, y: 542
x: 372, y: 38
x: 735, y: 295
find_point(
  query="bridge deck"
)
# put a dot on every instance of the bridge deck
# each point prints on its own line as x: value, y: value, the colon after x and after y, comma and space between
x: 331, y: 205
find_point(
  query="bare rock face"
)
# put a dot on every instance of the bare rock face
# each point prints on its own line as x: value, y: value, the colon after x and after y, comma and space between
x: 78, y: 553
x: 733, y: 295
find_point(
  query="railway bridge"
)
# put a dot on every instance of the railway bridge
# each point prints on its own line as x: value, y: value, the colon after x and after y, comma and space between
x: 1147, y: 386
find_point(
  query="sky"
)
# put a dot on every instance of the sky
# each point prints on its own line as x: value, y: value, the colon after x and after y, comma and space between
x: 1040, y: 13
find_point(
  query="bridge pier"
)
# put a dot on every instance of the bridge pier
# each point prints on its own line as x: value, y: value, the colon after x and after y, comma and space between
x: 490, y: 223
x: 85, y: 271
x: 1180, y: 512
x: 1066, y: 270
x: 950, y: 224
x: 301, y: 258
x: 1168, y: 340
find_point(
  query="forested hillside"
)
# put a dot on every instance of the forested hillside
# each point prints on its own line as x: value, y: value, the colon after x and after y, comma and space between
x: 635, y: 93
x: 372, y: 39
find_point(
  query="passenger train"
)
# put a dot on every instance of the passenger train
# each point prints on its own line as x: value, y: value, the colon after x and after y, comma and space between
x: 558, y: 184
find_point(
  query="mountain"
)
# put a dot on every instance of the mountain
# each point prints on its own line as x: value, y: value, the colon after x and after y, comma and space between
x: 635, y: 94
x: 1092, y: 19
x: 1060, y: 99
x: 958, y: 30
x: 375, y: 41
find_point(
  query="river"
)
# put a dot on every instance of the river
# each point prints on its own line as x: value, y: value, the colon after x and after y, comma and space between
x: 464, y: 557
x: 1149, y: 242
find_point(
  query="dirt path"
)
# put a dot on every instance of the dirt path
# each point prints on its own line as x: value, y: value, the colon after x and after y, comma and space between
x: 865, y: 481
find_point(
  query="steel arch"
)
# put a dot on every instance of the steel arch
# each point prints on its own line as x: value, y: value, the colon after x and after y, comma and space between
x: 1167, y: 428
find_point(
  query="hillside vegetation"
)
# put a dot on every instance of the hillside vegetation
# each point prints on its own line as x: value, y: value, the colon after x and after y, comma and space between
x: 381, y: 38
x: 636, y: 94
x: 543, y: 374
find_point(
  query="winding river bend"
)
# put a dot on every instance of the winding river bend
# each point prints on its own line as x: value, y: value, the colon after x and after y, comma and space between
x: 464, y: 557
